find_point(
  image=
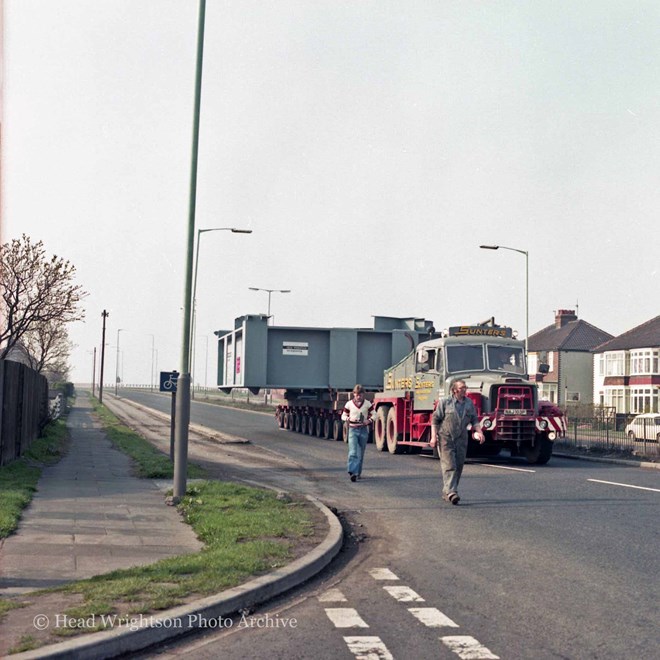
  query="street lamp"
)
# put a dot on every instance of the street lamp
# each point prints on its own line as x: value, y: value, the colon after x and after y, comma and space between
x: 117, y: 363
x: 269, y: 291
x: 502, y: 247
x: 233, y: 230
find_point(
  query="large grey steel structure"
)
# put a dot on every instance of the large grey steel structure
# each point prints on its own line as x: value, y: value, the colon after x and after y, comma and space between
x: 256, y: 355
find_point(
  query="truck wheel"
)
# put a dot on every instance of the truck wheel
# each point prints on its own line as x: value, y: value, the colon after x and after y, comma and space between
x: 303, y: 424
x: 281, y: 420
x: 391, y: 434
x: 297, y: 422
x: 540, y: 453
x: 318, y: 427
x: 327, y: 428
x: 380, y: 428
x: 289, y: 421
x: 337, y: 430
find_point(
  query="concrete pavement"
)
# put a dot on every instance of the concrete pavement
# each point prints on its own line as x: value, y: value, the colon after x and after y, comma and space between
x: 90, y: 516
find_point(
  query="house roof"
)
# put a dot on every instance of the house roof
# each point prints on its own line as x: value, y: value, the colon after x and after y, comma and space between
x: 572, y: 336
x: 646, y: 335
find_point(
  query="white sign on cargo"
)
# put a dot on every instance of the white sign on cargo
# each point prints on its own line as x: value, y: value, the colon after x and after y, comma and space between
x: 295, y: 348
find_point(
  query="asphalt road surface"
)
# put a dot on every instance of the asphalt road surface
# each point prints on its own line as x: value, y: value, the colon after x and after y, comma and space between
x: 556, y: 561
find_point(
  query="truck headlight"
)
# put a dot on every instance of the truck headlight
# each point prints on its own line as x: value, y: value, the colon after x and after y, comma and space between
x: 552, y: 435
x: 543, y: 425
x: 487, y: 423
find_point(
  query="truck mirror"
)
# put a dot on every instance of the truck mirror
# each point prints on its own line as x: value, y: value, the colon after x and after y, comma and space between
x: 544, y: 368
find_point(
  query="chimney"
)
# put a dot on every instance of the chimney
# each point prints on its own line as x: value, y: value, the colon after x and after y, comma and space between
x: 564, y: 316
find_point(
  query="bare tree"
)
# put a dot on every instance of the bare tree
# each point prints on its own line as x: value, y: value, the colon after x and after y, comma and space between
x: 48, y: 349
x: 37, y: 292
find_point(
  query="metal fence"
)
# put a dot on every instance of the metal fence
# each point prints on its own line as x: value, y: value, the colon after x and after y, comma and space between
x: 23, y: 408
x: 606, y: 434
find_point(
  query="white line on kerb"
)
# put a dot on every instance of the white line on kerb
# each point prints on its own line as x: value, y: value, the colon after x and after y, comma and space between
x: 468, y: 648
x: 614, y: 483
x: 345, y: 617
x: 504, y: 467
x: 368, y: 648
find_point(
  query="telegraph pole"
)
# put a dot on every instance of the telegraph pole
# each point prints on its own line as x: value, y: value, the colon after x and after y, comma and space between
x: 105, y: 315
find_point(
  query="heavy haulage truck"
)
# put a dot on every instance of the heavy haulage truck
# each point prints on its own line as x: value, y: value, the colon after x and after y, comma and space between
x: 318, y: 367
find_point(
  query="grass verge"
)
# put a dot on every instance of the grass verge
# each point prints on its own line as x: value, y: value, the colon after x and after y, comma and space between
x: 18, y: 479
x: 150, y: 463
x: 246, y: 532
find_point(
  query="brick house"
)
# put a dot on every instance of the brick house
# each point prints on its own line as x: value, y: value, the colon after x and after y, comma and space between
x: 626, y: 370
x: 567, y: 348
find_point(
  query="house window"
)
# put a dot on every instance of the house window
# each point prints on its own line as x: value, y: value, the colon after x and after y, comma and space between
x: 601, y: 365
x: 644, y: 362
x: 532, y: 363
x: 615, y: 364
x: 616, y: 397
x: 644, y: 400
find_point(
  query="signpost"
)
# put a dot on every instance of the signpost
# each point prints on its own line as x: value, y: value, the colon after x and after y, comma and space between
x: 168, y: 381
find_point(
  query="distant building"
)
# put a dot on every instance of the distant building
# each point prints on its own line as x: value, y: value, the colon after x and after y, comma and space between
x: 626, y: 370
x: 566, y: 347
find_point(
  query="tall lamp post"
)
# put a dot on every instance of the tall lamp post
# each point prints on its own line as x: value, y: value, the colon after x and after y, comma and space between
x: 233, y: 230
x: 117, y: 363
x: 502, y: 247
x: 269, y: 291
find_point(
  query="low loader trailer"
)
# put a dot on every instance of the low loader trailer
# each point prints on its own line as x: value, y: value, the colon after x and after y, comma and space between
x: 318, y: 367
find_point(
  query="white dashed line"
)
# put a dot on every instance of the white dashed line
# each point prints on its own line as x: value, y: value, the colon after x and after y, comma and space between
x: 432, y: 617
x: 505, y: 467
x: 345, y: 617
x: 614, y: 483
x: 468, y: 648
x: 404, y: 594
x: 332, y: 596
x: 368, y: 648
x: 382, y: 574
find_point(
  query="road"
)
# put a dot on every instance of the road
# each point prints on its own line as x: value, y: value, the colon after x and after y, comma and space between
x: 558, y: 561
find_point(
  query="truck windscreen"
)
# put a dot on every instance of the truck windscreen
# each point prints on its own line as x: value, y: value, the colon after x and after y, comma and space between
x: 506, y: 358
x: 465, y: 357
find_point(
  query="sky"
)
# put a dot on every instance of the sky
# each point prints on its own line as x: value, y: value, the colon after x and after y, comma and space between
x: 370, y: 146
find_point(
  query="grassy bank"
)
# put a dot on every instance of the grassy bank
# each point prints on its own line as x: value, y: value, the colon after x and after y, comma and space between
x: 18, y: 480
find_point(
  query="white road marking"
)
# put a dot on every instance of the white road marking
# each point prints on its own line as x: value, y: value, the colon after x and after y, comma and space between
x: 368, y: 648
x: 432, y: 617
x: 404, y: 594
x: 345, y: 617
x: 332, y: 596
x: 382, y: 574
x: 614, y: 483
x: 468, y: 648
x: 505, y: 467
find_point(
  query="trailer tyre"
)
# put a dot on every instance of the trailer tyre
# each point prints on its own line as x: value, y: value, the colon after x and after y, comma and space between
x: 289, y: 421
x: 391, y: 435
x: 281, y: 420
x: 327, y: 428
x: 337, y: 430
x: 380, y: 428
x: 297, y: 422
x: 318, y: 427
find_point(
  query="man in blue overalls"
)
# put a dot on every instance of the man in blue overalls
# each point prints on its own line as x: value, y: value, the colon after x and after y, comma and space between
x: 449, y: 428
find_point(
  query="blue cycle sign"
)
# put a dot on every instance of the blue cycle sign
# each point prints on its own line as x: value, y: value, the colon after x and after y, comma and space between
x: 168, y: 381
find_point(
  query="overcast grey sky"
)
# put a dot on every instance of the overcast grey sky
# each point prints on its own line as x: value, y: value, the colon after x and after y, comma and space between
x: 371, y: 146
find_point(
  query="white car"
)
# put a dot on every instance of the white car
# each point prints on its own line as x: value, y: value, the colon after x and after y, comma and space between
x: 644, y: 427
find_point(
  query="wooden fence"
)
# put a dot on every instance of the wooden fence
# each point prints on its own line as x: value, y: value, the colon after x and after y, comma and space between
x: 23, y: 408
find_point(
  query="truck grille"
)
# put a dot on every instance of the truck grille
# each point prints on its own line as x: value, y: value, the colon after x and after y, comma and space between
x: 515, y: 430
